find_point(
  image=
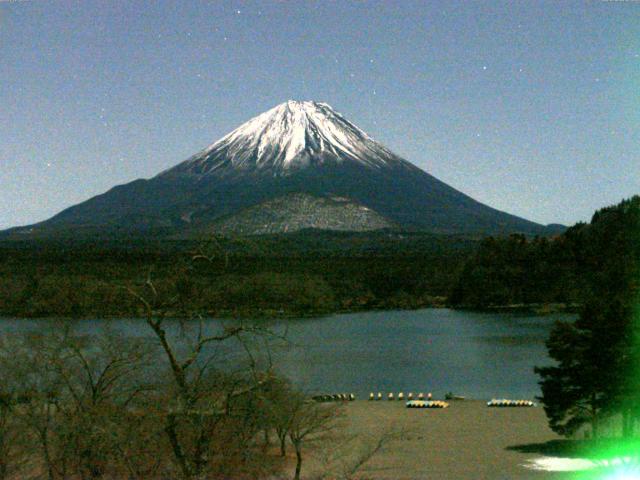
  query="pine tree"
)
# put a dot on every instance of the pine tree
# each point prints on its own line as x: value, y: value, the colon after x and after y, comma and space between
x: 597, y: 371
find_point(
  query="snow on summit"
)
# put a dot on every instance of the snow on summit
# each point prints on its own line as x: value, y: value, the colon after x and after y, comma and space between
x: 298, y: 165
x: 290, y: 136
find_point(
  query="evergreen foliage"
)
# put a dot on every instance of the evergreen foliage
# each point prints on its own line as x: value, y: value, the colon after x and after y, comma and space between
x: 307, y: 273
x: 597, y: 373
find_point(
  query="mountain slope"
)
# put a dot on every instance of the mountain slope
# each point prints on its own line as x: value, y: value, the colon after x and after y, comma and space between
x: 300, y: 211
x: 294, y: 148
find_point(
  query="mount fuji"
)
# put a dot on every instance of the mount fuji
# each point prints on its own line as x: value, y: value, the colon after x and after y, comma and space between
x: 299, y: 165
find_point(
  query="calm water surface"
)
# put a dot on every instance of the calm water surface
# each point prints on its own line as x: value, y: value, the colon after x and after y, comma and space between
x: 480, y: 355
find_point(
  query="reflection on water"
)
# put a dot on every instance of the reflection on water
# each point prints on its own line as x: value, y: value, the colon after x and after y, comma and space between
x: 480, y: 355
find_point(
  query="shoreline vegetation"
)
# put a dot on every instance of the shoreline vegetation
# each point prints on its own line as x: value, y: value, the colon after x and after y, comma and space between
x: 304, y: 274
x: 308, y: 273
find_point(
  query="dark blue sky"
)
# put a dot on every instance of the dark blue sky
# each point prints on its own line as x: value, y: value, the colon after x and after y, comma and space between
x: 530, y: 107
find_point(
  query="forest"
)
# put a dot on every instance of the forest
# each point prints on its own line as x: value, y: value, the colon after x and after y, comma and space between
x: 519, y: 270
x: 306, y: 273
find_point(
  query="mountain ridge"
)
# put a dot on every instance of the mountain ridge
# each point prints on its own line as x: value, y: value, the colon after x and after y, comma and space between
x: 294, y: 148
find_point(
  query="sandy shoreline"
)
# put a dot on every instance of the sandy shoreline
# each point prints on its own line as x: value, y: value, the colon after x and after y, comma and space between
x: 468, y: 440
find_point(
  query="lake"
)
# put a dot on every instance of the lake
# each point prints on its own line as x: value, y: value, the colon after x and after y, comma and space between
x: 479, y: 355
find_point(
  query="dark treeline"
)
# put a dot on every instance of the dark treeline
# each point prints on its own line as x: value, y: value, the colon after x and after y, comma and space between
x: 596, y: 376
x: 519, y: 270
x: 305, y: 273
x: 298, y: 274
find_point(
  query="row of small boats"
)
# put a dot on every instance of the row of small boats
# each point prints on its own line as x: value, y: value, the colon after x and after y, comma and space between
x: 504, y: 402
x: 400, y: 396
x: 427, y: 404
x: 421, y: 401
x: 335, y: 397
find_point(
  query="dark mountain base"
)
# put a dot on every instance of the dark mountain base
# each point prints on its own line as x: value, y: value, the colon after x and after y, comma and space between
x: 409, y: 199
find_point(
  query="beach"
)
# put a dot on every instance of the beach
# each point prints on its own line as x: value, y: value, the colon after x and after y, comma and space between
x: 466, y: 440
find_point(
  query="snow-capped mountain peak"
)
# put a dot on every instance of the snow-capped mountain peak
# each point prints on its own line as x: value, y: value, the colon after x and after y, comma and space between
x: 288, y: 137
x: 299, y: 165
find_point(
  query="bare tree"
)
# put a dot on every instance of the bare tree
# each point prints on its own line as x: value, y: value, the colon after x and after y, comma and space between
x: 202, y: 395
x: 101, y: 406
x: 75, y: 390
x: 346, y: 457
x: 101, y: 378
x: 26, y: 370
x: 309, y: 421
x: 278, y: 400
x: 11, y: 436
